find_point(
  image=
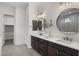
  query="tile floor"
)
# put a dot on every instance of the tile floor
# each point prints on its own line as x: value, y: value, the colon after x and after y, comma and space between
x: 19, y: 50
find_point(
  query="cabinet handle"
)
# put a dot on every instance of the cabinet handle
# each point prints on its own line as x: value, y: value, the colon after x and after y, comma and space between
x: 57, y: 52
x: 60, y: 53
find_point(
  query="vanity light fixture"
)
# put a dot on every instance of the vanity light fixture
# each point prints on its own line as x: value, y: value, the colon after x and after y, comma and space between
x: 64, y: 4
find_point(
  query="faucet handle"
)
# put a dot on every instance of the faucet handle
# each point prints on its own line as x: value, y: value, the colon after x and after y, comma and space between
x: 65, y: 38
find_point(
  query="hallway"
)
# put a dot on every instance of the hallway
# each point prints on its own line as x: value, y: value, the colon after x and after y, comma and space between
x: 19, y: 50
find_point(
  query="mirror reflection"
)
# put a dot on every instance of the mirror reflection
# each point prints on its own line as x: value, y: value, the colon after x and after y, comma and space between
x: 67, y: 21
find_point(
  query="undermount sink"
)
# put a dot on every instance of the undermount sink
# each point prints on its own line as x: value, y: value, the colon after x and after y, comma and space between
x: 65, y: 41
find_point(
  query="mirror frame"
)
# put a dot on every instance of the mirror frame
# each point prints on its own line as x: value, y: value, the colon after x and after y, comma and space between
x: 73, y: 10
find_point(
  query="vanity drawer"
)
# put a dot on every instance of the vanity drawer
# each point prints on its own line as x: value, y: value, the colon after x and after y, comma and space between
x: 70, y: 51
x: 54, y: 45
x: 64, y: 50
x: 43, y: 44
x: 43, y: 47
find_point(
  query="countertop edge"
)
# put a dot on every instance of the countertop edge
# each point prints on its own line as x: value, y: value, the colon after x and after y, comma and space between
x: 47, y: 39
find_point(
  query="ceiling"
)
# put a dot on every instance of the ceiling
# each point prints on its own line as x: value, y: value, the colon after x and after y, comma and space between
x: 14, y: 4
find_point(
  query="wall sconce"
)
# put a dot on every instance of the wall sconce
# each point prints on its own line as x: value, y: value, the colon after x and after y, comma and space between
x: 63, y: 4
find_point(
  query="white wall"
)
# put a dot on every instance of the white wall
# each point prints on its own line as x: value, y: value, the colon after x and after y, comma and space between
x: 4, y: 10
x: 9, y: 20
x: 27, y: 37
x: 31, y: 17
x: 1, y: 33
x: 20, y: 25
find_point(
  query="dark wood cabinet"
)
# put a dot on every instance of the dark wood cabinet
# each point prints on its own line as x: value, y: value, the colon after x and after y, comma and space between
x: 66, y: 51
x: 39, y: 45
x: 46, y: 48
x: 63, y: 50
x: 34, y: 43
x: 43, y: 47
x: 52, y: 51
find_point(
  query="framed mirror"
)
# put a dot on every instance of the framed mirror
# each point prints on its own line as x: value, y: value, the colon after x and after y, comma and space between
x: 67, y: 21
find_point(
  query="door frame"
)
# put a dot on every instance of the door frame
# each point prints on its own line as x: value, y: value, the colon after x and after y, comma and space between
x: 3, y: 19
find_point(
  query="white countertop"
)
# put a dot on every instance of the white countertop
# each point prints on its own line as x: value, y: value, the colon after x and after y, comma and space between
x: 72, y: 44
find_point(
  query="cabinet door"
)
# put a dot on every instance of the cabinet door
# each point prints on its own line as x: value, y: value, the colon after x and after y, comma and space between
x: 52, y: 51
x: 36, y: 46
x: 43, y: 47
x: 32, y: 42
x: 69, y: 51
x: 64, y: 54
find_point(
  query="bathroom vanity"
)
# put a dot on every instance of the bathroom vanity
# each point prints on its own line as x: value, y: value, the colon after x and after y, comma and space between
x: 67, y: 24
x: 51, y: 48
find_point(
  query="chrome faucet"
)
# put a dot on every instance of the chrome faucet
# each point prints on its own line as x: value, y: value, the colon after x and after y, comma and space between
x: 67, y: 39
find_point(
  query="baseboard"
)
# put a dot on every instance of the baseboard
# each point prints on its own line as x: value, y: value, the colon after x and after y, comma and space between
x: 18, y: 43
x: 28, y: 46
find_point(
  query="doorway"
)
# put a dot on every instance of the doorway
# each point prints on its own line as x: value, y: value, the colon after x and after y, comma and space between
x: 8, y: 34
